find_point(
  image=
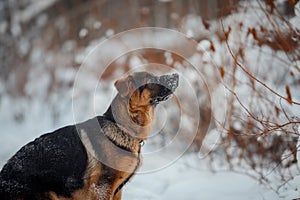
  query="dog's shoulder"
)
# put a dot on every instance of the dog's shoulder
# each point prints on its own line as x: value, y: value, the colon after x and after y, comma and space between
x: 55, y: 161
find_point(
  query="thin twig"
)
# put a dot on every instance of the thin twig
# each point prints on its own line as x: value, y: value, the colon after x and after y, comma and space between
x: 251, y: 75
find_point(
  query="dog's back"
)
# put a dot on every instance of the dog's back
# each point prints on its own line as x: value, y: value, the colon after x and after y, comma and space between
x: 55, y: 161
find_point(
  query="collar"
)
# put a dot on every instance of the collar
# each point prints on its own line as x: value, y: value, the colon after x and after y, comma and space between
x: 121, y: 137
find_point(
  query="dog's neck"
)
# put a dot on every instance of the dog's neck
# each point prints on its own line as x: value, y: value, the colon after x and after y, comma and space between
x: 118, y: 113
x: 120, y: 136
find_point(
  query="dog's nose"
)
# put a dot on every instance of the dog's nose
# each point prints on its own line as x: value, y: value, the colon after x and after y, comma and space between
x: 175, y: 81
x: 170, y: 81
x: 175, y: 77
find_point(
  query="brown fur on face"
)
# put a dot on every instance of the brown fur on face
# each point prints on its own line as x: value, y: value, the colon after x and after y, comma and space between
x: 137, y: 104
x: 139, y: 93
x: 140, y: 109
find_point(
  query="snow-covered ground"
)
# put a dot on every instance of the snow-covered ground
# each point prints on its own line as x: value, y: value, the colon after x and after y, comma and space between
x: 181, y: 181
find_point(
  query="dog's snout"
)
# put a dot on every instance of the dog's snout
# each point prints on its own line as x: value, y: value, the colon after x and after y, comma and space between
x: 176, y: 76
x: 170, y: 81
x: 175, y: 81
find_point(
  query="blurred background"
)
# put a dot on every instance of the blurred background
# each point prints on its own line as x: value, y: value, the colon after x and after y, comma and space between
x: 245, y: 140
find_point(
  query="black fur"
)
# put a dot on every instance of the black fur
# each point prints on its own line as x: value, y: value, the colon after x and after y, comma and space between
x: 53, y: 162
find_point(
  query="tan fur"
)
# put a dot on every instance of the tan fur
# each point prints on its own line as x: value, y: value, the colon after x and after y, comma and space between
x: 141, y: 112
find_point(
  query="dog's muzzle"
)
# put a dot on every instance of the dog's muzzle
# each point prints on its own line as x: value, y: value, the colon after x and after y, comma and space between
x: 167, y: 86
x: 169, y: 81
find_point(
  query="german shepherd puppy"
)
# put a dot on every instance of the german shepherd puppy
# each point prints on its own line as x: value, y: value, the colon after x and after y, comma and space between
x: 92, y: 160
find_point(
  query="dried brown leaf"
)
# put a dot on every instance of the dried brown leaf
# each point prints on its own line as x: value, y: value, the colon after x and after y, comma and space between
x: 271, y: 4
x: 212, y: 47
x: 227, y: 32
x: 291, y: 3
x: 206, y: 24
x: 252, y: 31
x: 288, y: 93
x: 262, y: 29
x: 277, y: 111
x: 222, y: 71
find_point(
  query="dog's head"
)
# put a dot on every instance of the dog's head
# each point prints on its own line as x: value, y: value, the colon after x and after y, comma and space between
x: 143, y: 91
x: 146, y: 89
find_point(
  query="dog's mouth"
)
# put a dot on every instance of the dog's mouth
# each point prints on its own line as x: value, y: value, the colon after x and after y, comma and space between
x: 157, y: 100
x: 166, y: 86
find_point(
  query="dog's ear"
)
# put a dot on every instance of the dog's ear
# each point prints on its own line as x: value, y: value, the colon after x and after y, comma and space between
x: 125, y: 85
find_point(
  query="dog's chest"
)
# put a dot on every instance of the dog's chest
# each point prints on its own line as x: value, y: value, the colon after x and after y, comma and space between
x: 116, y: 178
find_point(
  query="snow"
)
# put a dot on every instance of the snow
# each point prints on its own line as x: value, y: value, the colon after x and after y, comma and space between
x: 97, y: 25
x: 193, y: 27
x: 203, y: 45
x: 295, y: 21
x: 169, y: 59
x: 83, y: 33
x: 189, y: 33
x: 291, y: 189
x: 297, y: 9
x: 180, y: 181
x: 110, y: 32
x: 33, y: 9
x: 3, y: 27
